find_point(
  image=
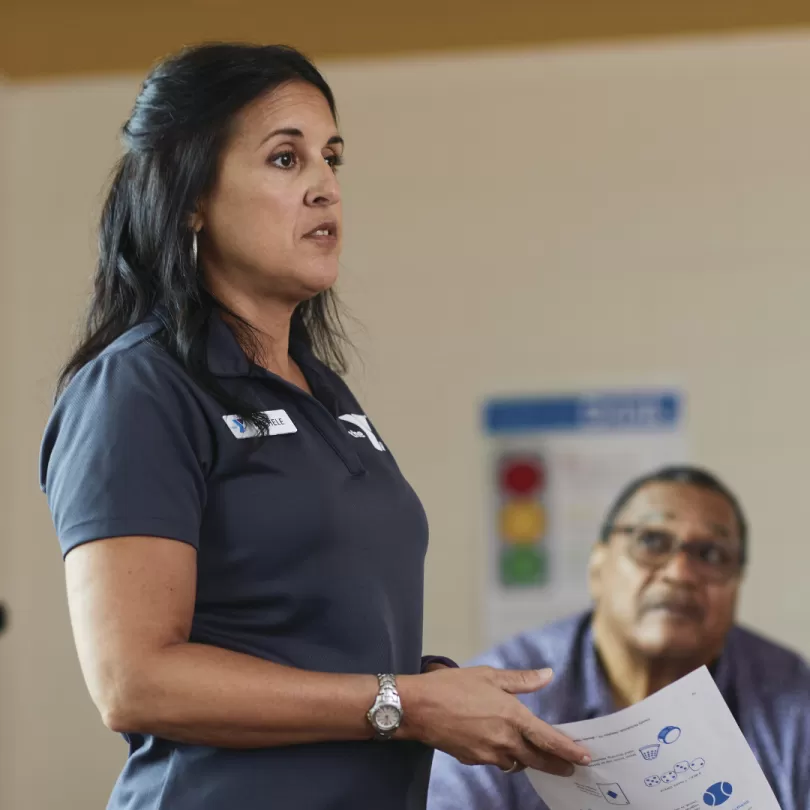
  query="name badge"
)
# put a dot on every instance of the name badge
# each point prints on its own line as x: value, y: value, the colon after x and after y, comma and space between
x: 278, y: 424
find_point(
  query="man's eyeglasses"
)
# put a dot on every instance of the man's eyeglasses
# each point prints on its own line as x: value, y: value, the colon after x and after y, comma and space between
x: 653, y: 548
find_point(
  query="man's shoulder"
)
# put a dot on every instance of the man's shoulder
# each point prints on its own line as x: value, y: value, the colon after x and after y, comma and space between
x: 759, y: 650
x: 550, y: 645
x: 767, y: 666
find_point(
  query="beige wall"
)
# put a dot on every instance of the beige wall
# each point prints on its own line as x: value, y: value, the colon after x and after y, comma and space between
x: 516, y: 223
x: 5, y: 437
x: 60, y: 143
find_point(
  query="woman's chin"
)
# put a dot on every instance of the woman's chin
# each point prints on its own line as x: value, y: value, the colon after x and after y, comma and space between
x: 319, y: 278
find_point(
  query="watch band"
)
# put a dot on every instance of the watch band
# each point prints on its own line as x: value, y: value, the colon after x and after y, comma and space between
x: 388, y: 696
x: 387, y: 683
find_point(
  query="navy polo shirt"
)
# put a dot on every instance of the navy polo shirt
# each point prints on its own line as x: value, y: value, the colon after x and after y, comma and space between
x: 310, y: 553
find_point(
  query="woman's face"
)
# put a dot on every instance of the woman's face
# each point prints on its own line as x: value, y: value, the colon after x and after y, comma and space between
x: 271, y: 226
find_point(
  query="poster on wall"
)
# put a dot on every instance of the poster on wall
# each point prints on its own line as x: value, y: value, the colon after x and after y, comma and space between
x: 555, y: 464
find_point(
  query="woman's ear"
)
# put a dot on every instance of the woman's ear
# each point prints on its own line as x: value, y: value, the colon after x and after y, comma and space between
x: 196, y: 223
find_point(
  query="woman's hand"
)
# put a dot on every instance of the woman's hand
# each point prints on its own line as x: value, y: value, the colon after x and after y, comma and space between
x: 472, y: 715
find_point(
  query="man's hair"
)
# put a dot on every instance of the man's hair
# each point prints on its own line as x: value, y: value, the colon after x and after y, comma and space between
x: 684, y: 474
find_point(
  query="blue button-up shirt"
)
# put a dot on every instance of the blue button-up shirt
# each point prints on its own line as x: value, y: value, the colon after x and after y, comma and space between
x: 766, y: 687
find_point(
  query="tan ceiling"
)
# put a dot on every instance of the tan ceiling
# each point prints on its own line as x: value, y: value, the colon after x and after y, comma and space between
x: 55, y: 37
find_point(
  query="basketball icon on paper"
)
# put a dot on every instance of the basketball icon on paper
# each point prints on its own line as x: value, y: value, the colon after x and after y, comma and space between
x: 669, y: 735
x: 718, y: 793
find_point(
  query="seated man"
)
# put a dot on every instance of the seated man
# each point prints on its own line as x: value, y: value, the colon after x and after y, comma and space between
x: 664, y: 580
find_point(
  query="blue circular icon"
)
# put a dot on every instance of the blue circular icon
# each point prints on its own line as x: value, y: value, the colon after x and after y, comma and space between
x: 669, y: 734
x: 718, y: 793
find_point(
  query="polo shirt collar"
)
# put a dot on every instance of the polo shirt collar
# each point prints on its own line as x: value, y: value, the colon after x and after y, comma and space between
x: 226, y: 358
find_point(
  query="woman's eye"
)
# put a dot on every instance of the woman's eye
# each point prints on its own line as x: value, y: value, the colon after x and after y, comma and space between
x: 334, y: 161
x: 284, y: 160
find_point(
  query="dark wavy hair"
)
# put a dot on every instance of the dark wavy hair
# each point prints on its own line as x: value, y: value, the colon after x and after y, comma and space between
x: 173, y: 139
x: 682, y: 474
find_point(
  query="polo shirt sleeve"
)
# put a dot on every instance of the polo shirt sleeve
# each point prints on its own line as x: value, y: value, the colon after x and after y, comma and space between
x: 125, y: 452
x: 430, y: 660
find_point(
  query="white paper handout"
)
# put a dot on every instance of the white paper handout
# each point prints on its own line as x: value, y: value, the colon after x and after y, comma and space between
x: 680, y: 749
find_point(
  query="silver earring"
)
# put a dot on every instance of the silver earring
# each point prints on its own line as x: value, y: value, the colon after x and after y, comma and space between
x: 194, y: 248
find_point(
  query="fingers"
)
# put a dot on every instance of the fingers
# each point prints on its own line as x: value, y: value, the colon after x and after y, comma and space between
x: 531, y: 757
x: 522, y: 681
x: 521, y: 754
x: 518, y: 754
x: 515, y: 766
x: 550, y: 742
x: 509, y: 752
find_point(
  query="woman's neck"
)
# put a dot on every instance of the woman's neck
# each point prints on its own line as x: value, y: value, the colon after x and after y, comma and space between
x: 270, y: 321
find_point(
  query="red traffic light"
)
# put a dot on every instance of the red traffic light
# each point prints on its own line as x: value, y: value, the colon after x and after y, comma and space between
x: 523, y: 476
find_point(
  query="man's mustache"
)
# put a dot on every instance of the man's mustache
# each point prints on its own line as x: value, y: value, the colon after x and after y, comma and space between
x: 676, y: 603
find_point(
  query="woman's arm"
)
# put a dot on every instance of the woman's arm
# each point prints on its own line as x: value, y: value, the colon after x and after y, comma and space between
x: 131, y: 603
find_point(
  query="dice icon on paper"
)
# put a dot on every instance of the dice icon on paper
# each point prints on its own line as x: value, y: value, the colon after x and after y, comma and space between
x: 652, y: 781
x: 697, y: 764
x: 681, y: 767
x: 669, y: 777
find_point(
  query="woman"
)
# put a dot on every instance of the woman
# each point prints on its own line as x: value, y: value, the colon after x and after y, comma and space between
x: 256, y: 557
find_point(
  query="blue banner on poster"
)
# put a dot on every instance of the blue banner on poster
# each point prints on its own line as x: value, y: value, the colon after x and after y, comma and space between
x: 604, y: 411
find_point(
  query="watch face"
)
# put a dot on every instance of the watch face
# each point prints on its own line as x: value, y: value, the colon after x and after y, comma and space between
x: 386, y: 718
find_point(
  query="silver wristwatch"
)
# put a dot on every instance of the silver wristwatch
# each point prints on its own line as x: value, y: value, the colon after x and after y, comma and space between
x: 385, y: 715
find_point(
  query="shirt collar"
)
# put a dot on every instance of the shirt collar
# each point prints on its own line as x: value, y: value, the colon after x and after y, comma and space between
x: 597, y: 696
x: 226, y: 358
x: 598, y: 699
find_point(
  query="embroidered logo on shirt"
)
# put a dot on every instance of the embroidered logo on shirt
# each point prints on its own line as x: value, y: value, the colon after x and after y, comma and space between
x: 278, y: 424
x: 362, y: 422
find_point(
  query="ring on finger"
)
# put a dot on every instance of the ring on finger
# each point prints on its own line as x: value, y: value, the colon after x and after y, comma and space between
x: 513, y: 769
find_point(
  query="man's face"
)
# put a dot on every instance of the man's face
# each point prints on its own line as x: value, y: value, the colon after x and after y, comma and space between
x: 681, y: 609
